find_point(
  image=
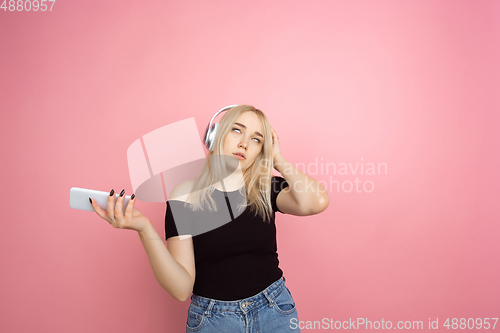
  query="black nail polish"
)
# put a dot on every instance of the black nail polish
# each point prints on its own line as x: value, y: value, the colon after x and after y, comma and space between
x: 132, y: 197
x: 90, y: 201
x: 122, y: 193
x: 112, y: 192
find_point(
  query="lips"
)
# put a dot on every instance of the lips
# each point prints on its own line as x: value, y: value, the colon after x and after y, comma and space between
x: 240, y: 156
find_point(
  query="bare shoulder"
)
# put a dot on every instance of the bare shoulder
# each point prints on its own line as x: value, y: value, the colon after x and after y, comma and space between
x: 181, y: 191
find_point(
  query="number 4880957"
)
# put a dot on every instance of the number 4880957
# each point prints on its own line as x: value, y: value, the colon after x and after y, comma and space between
x: 462, y: 323
x: 26, y: 5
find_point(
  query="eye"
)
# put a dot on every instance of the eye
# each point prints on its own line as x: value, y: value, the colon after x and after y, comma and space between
x: 239, y: 131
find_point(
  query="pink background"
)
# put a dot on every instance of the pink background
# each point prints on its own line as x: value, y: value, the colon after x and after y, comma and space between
x: 413, y: 84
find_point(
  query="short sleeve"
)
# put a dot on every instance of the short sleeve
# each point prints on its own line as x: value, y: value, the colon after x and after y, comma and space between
x: 178, y: 219
x: 277, y: 185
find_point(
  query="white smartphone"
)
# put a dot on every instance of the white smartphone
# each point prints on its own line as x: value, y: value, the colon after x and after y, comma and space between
x: 79, y: 199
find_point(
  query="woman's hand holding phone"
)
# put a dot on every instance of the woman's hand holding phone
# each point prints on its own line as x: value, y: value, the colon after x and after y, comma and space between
x: 132, y: 219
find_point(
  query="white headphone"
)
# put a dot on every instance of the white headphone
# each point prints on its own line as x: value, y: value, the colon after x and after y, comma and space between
x: 211, y: 131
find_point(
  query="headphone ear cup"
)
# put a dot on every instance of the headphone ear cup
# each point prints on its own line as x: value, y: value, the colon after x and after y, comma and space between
x: 210, y: 134
x: 211, y: 131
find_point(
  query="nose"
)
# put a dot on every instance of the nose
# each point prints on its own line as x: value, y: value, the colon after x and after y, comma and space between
x: 243, y: 145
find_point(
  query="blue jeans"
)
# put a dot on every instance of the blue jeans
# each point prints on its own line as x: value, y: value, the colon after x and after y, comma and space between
x: 269, y: 311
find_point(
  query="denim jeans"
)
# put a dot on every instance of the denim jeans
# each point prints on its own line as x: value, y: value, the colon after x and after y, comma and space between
x: 270, y: 311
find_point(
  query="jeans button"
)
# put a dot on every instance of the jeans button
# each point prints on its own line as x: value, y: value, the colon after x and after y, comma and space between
x: 244, y: 305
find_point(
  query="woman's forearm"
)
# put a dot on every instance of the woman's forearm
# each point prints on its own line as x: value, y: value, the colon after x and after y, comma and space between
x: 307, y: 191
x: 171, y: 275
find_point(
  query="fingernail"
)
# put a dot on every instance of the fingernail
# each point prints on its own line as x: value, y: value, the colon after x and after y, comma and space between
x: 112, y: 192
x: 132, y: 197
x: 122, y: 193
x: 90, y: 201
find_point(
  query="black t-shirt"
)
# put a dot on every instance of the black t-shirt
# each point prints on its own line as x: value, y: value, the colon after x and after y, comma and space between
x: 236, y: 260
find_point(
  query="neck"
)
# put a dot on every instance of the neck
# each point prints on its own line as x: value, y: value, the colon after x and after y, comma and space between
x: 232, y: 182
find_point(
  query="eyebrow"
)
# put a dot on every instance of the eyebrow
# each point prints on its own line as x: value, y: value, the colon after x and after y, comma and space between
x: 246, y: 127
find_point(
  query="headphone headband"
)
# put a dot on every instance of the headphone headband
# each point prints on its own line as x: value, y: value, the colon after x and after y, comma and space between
x: 223, y: 109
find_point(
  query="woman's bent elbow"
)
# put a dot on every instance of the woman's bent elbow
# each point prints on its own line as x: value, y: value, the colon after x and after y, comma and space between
x: 182, y: 298
x: 180, y: 295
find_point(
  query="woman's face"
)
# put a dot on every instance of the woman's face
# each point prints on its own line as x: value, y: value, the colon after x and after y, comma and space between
x: 246, y: 138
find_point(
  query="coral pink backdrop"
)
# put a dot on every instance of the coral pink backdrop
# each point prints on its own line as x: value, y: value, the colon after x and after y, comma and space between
x: 408, y: 86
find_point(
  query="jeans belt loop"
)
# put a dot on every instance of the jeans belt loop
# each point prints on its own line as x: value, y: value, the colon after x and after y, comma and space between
x: 268, y: 298
x: 209, y: 308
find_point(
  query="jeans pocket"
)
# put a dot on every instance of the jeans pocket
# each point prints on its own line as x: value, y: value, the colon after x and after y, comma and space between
x: 195, y: 319
x: 283, y: 302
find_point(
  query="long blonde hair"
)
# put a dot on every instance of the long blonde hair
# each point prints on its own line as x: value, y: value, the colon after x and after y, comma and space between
x: 257, y: 177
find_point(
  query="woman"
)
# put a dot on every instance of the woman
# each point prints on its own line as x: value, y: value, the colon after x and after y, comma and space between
x: 229, y: 269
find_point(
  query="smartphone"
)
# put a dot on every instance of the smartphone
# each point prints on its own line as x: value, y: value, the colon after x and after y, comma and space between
x: 79, y: 199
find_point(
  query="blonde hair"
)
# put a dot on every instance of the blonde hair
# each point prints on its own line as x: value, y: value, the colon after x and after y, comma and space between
x: 257, y: 177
